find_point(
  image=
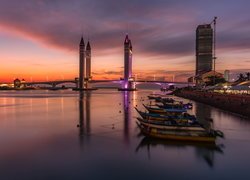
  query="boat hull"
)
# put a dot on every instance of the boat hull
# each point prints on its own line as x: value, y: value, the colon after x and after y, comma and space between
x: 159, y: 117
x: 180, y: 133
x: 147, y: 133
x: 169, y: 127
x: 165, y: 111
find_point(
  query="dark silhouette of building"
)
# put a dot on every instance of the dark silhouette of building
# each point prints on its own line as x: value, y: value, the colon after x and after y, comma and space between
x: 204, y: 49
x: 17, y: 83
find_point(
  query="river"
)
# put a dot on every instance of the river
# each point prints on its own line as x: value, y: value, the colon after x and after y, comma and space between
x: 67, y: 135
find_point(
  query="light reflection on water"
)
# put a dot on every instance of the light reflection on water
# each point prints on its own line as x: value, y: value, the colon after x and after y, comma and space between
x: 66, y: 135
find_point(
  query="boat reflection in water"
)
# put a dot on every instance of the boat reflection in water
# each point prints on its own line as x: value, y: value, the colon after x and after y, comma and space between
x: 205, y: 151
x: 84, y: 116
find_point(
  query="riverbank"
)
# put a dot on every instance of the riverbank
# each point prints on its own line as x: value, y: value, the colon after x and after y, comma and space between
x: 235, y: 103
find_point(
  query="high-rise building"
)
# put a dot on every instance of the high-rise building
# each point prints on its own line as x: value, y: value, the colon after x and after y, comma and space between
x: 81, y: 64
x: 204, y: 49
x: 88, y: 61
x: 127, y: 62
x: 227, y: 75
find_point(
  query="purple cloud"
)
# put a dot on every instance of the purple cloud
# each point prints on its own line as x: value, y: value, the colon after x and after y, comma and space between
x: 157, y: 28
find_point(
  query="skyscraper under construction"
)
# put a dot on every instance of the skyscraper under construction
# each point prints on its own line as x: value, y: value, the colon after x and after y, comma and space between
x: 204, y: 49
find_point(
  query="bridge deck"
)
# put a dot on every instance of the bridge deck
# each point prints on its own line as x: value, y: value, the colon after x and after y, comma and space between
x: 56, y: 82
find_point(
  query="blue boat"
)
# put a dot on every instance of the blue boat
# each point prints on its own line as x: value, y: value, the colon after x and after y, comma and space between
x: 165, y: 111
x: 160, y: 117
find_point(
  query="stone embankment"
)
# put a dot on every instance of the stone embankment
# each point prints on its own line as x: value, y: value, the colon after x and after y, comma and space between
x: 235, y: 103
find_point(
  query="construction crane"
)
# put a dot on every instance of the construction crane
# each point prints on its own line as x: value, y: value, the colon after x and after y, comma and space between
x: 214, y: 45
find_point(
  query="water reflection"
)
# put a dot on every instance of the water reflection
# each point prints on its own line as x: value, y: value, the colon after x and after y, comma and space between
x: 203, y: 114
x: 205, y: 151
x: 84, y: 116
x: 84, y: 124
x: 126, y: 115
x: 30, y: 142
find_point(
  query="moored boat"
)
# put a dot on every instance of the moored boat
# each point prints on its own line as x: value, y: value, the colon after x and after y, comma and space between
x: 171, y: 125
x: 161, y: 117
x: 165, y: 111
x: 178, y: 104
x: 154, y: 97
x: 170, y: 106
x: 165, y: 100
x: 171, y: 132
x: 171, y: 121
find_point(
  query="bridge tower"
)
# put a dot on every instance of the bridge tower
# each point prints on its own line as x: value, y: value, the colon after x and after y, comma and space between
x: 88, y: 63
x: 82, y: 64
x: 128, y: 84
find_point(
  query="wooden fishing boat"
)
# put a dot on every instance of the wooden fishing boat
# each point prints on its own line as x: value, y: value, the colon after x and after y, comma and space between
x: 188, y: 105
x: 160, y: 117
x: 169, y: 93
x: 154, y: 116
x: 171, y: 125
x: 165, y: 100
x: 176, y: 104
x: 176, y: 132
x: 170, y: 106
x: 161, y: 99
x: 165, y: 111
x: 154, y: 97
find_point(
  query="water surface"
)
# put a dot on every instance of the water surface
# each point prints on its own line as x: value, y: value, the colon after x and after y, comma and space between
x: 67, y: 135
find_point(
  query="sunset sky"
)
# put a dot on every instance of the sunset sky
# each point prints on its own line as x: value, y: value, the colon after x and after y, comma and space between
x: 39, y: 38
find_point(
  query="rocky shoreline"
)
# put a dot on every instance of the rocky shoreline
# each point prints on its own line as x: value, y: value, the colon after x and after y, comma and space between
x: 235, y: 103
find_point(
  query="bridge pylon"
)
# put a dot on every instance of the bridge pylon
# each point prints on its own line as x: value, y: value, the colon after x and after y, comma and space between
x: 84, y: 67
x: 128, y: 81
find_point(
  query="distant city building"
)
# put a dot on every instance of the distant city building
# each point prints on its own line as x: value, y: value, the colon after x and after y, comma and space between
x: 191, y: 79
x: 17, y: 83
x: 205, y: 77
x: 227, y: 75
x: 23, y: 83
x: 204, y: 49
